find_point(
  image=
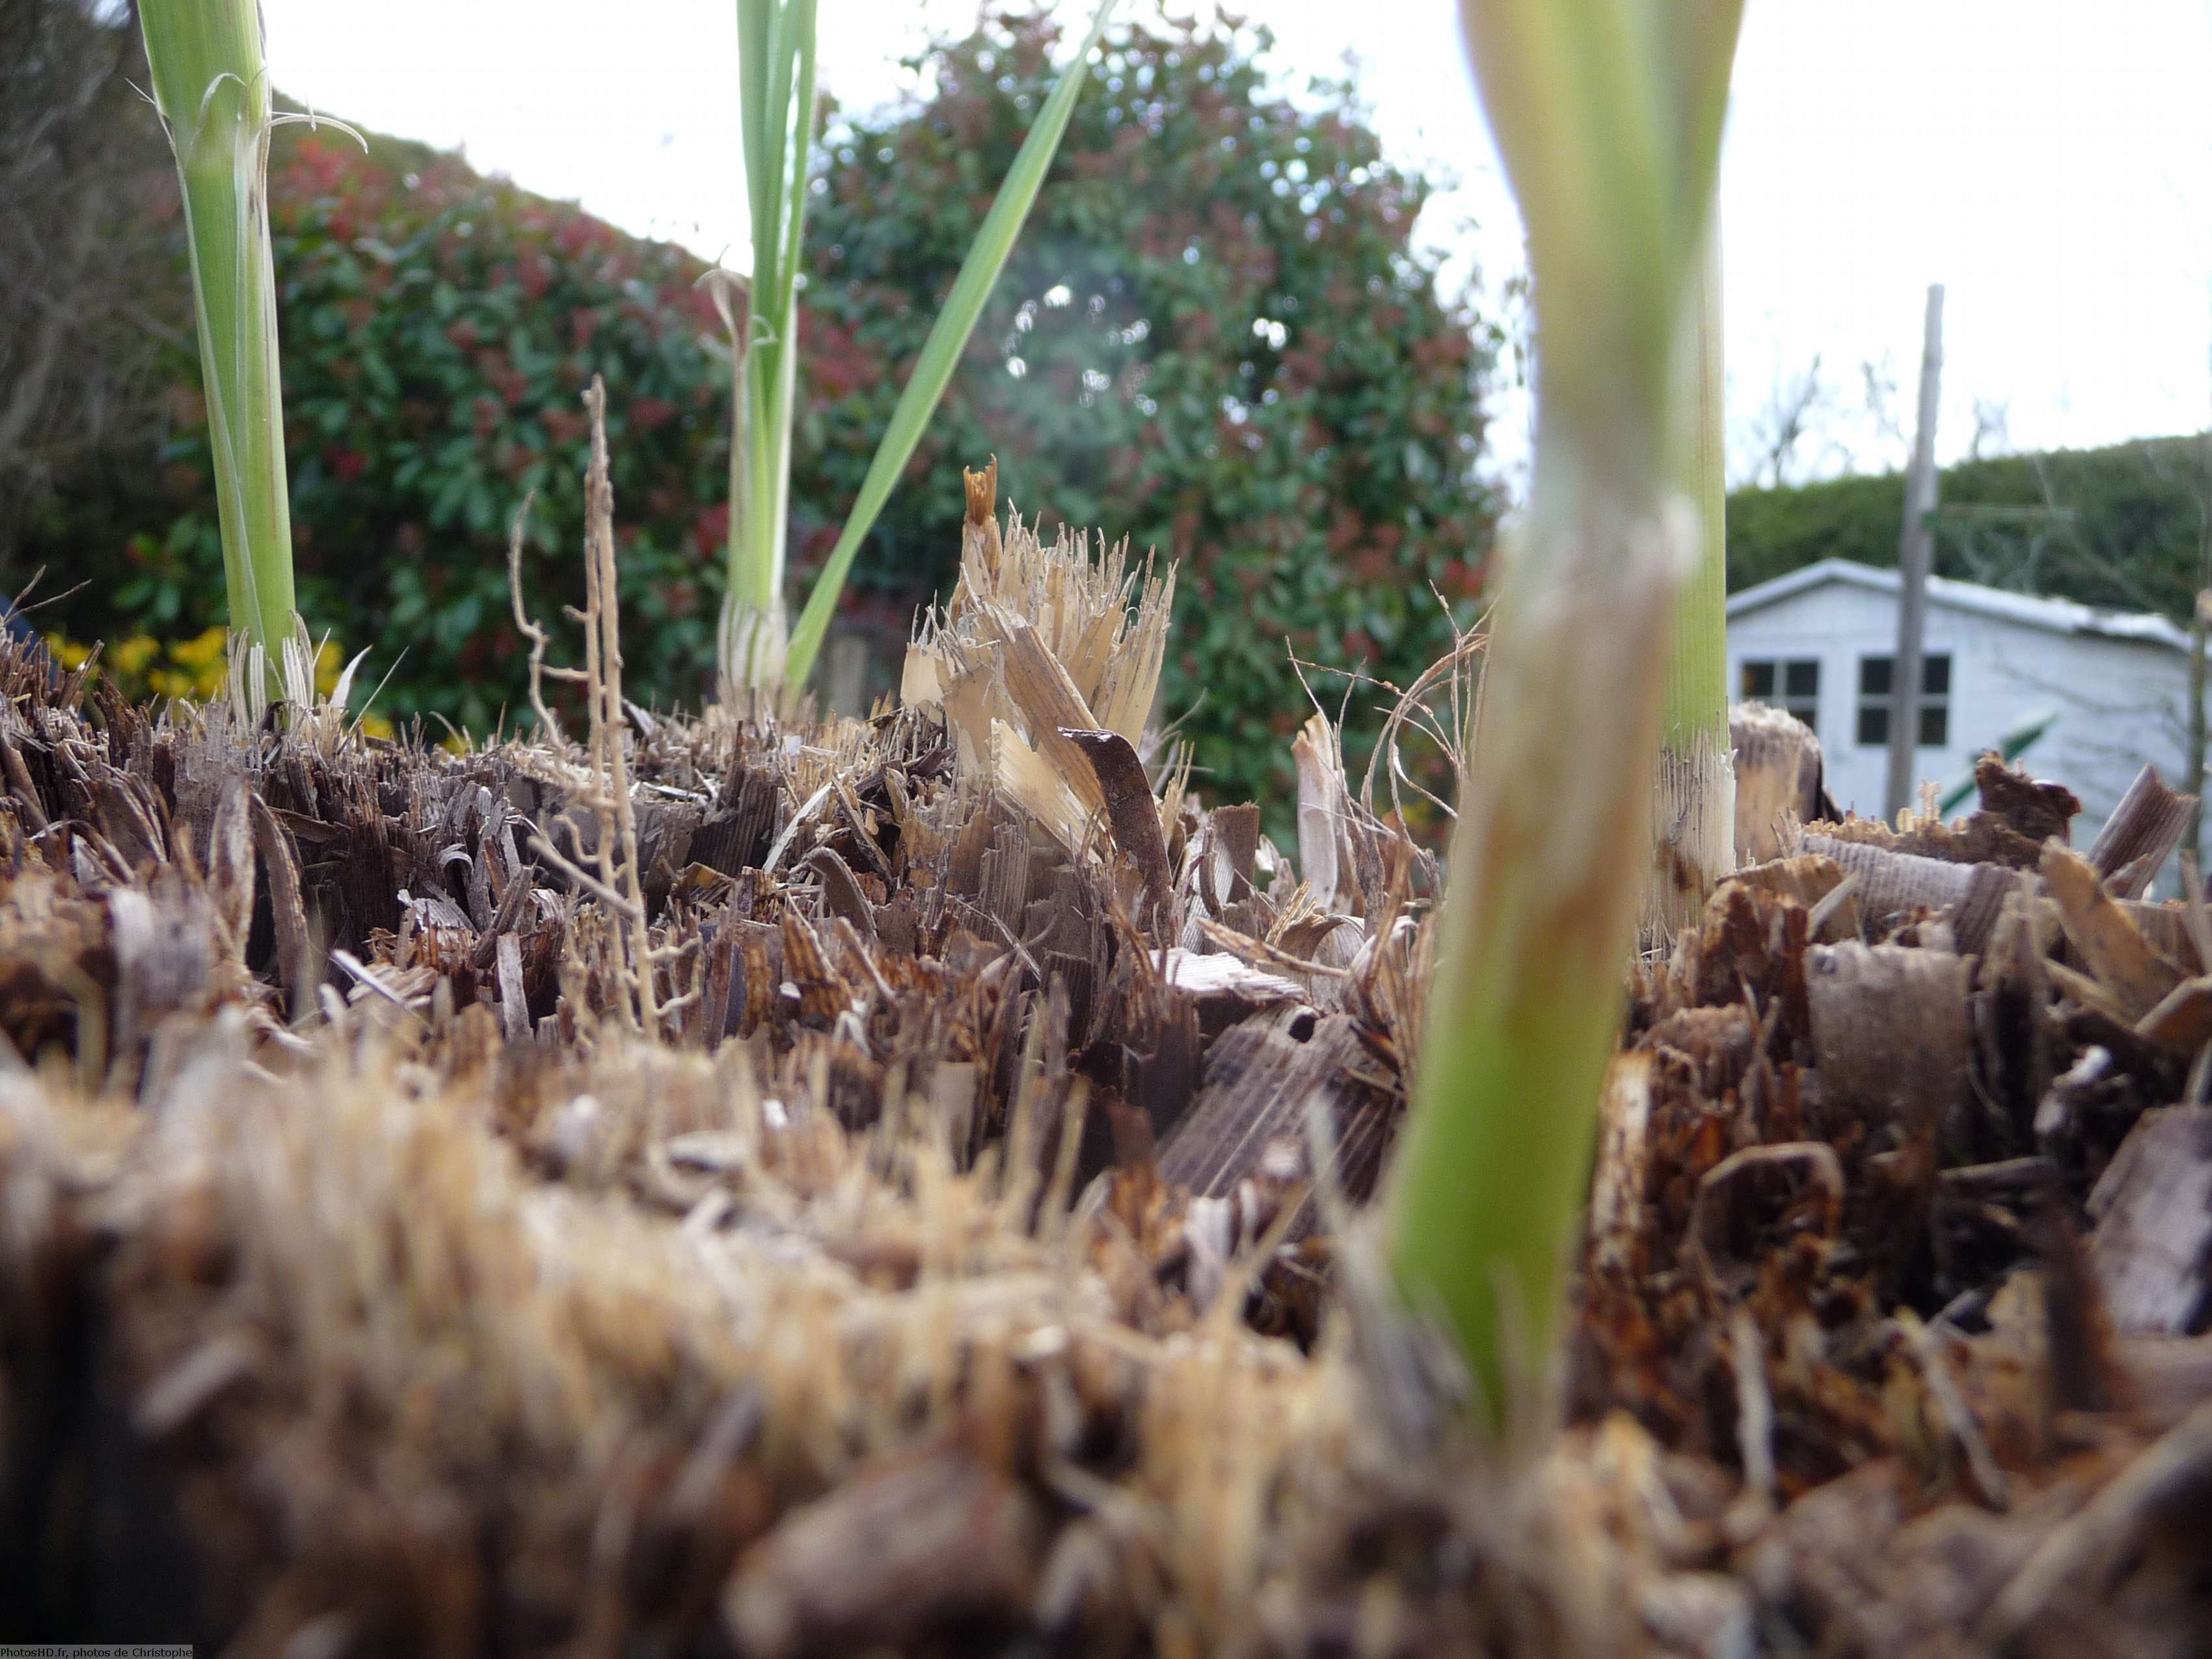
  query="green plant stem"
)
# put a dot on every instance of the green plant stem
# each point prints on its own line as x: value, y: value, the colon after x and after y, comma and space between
x: 940, y: 352
x: 776, y: 57
x: 212, y: 89
x: 1546, y: 869
x: 1697, y: 669
x: 1609, y: 115
x: 1693, y: 822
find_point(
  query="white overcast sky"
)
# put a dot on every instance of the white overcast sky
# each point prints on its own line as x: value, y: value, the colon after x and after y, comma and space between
x: 2049, y: 161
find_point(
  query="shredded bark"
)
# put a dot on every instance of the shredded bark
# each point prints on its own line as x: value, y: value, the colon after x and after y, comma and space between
x: 1131, y: 812
x: 2034, y: 809
x: 718, y: 1187
x: 2141, y: 835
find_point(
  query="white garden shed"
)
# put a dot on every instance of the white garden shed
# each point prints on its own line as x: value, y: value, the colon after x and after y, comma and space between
x: 1820, y: 641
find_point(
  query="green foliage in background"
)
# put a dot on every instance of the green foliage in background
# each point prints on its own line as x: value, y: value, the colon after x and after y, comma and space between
x: 946, y: 344
x: 438, y: 329
x: 2115, y: 526
x: 1213, y: 337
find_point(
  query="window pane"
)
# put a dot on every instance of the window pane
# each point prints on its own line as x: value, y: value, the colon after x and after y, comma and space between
x: 1874, y: 725
x: 1758, y: 679
x: 1806, y: 712
x: 1874, y: 676
x: 1934, y: 726
x: 1936, y: 676
x: 1801, y: 680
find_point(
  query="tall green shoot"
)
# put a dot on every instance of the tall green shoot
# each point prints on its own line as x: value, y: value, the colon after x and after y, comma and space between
x: 212, y: 89
x: 775, y: 49
x: 1693, y: 796
x: 1608, y: 114
x: 775, y: 86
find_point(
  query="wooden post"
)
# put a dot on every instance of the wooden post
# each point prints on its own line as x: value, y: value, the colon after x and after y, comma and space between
x: 1913, y: 551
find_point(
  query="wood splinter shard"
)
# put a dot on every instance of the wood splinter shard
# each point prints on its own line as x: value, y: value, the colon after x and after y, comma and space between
x: 980, y: 529
x: 1131, y: 813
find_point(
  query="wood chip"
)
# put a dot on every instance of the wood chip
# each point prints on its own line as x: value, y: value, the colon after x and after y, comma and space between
x: 295, y: 956
x: 2122, y: 1508
x: 925, y: 1544
x: 1256, y: 1081
x: 1810, y: 880
x: 1322, y: 806
x: 1893, y: 883
x: 1777, y: 779
x: 2028, y: 805
x: 2153, y: 1207
x: 2111, y: 948
x: 1890, y: 1035
x: 841, y: 892
x: 1236, y: 846
x: 513, y: 1005
x: 1206, y: 977
x: 1616, y: 1211
x: 230, y: 863
x: 2182, y: 1018
x: 2144, y: 828
x: 1131, y: 812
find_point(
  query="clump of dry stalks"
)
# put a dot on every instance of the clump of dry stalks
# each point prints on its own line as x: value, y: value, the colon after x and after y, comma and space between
x: 605, y: 790
x: 895, y: 1185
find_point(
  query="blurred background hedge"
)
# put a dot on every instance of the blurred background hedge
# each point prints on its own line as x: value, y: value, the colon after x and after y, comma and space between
x: 2120, y: 526
x: 1215, y: 337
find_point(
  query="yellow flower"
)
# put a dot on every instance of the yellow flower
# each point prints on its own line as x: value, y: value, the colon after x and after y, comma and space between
x: 131, y: 656
x: 329, y: 661
x: 68, y: 651
x: 376, y: 726
x: 202, y: 651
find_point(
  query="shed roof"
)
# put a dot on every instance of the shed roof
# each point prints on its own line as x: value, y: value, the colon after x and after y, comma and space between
x: 2028, y: 609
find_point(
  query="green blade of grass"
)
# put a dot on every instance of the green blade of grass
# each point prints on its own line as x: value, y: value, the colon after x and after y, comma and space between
x: 776, y: 62
x: 755, y: 20
x: 212, y: 90
x: 786, y: 40
x: 940, y: 353
x: 794, y: 233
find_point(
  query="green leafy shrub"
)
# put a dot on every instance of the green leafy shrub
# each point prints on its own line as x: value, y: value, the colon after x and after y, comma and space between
x: 441, y: 330
x: 1214, y: 336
